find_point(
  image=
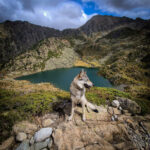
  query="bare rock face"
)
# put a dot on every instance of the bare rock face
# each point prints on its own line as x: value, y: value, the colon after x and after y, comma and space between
x: 98, y: 132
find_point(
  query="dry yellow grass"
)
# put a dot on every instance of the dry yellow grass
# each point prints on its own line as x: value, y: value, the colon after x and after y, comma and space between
x: 26, y: 86
x: 95, y: 64
x: 80, y: 63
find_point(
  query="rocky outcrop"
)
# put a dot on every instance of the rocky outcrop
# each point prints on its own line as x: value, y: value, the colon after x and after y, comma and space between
x: 97, y: 132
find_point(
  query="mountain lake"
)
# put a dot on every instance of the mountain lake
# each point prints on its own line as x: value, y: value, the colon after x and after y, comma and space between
x: 63, y: 77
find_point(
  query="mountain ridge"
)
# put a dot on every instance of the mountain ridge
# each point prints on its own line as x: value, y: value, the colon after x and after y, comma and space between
x: 22, y: 35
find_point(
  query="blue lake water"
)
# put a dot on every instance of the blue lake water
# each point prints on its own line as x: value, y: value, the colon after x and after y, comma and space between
x: 63, y: 77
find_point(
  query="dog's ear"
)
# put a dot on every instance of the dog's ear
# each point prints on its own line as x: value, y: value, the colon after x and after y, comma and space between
x: 82, y: 72
x: 79, y: 75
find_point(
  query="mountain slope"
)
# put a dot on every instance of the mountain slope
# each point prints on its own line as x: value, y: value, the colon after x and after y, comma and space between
x: 16, y: 37
x: 48, y: 54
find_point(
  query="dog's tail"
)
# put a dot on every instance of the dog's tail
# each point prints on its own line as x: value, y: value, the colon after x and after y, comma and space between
x: 91, y: 106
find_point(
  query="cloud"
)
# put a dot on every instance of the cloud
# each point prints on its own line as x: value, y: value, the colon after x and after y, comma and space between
x: 58, y: 14
x: 130, y: 8
x: 62, y: 14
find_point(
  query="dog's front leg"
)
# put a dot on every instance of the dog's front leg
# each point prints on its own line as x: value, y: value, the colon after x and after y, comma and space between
x: 83, y: 111
x: 88, y: 109
x: 72, y: 111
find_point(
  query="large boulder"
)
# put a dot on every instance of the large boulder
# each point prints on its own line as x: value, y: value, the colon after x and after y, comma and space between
x: 47, y: 122
x: 25, y: 127
x: 129, y: 105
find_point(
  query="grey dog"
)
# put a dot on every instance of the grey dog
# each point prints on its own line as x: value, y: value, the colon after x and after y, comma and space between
x: 77, y: 91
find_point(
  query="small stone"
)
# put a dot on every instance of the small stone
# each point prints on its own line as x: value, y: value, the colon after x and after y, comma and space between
x: 7, y: 143
x: 47, y: 122
x: 32, y: 141
x: 29, y: 136
x: 41, y: 145
x: 125, y: 111
x: 116, y: 111
x: 21, y: 136
x: 24, y: 145
x: 42, y: 134
x: 115, y: 103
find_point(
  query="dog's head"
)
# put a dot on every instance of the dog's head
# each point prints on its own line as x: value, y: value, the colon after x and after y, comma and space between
x: 83, y: 80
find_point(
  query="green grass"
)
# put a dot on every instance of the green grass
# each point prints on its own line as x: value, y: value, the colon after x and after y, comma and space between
x: 15, y: 107
x: 99, y: 95
x: 145, y: 105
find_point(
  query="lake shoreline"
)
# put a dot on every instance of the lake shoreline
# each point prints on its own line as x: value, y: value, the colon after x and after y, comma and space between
x: 60, y: 75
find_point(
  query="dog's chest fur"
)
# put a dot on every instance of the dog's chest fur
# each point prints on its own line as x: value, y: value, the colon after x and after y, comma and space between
x: 76, y: 91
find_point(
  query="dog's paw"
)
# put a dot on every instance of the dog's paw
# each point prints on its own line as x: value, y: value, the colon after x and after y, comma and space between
x: 69, y: 118
x: 96, y: 110
x: 84, y: 119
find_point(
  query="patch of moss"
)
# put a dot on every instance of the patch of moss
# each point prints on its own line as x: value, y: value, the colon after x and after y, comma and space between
x: 145, y: 105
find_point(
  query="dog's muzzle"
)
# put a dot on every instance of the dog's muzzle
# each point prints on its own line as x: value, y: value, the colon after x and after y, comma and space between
x: 87, y: 86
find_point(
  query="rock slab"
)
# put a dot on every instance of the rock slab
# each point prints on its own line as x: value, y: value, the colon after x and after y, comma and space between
x: 42, y: 134
x: 24, y: 145
x: 41, y: 145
